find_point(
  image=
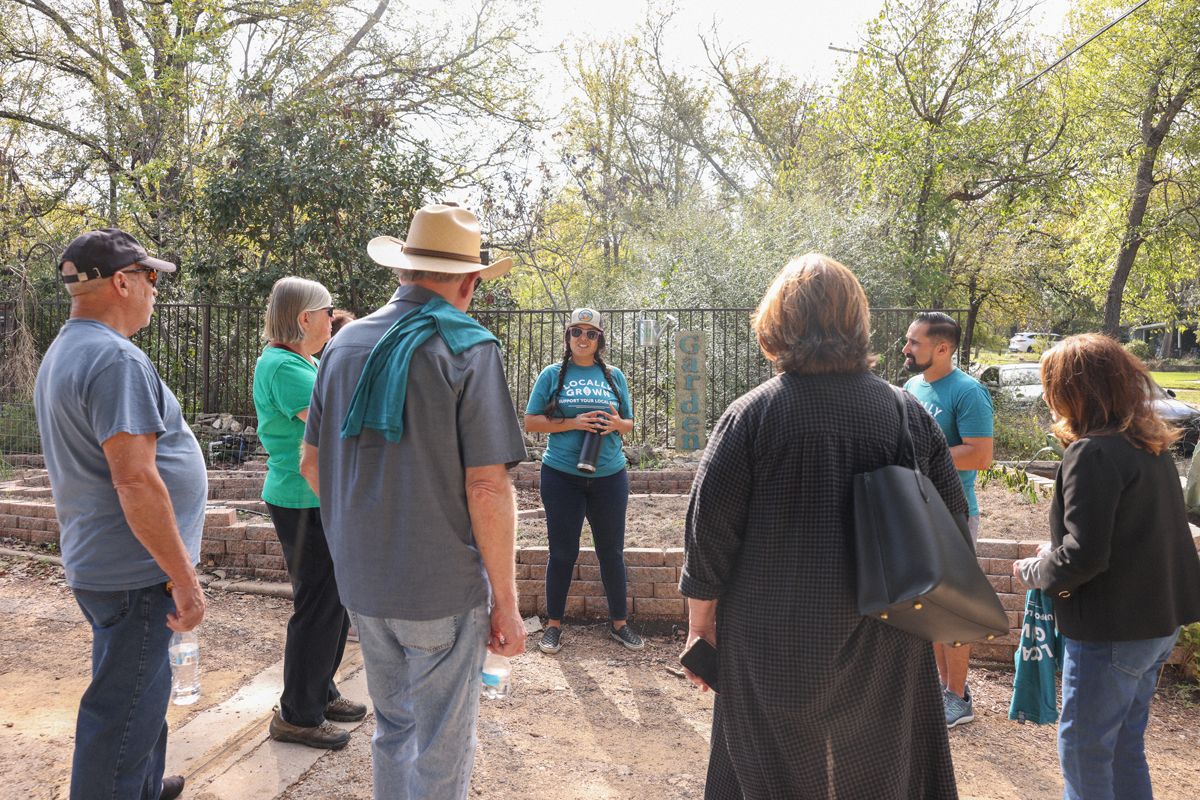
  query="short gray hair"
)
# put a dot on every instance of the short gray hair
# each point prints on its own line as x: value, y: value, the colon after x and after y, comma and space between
x: 291, y: 297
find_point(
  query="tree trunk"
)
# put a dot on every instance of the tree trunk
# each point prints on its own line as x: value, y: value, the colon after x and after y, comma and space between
x: 974, y: 303
x: 1131, y: 240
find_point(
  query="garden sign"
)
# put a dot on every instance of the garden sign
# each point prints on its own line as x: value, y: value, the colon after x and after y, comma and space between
x: 690, y: 379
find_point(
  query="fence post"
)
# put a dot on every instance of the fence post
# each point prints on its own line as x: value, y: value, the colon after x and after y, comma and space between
x: 205, y: 358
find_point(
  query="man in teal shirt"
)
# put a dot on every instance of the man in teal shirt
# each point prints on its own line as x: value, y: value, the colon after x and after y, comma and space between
x: 962, y: 408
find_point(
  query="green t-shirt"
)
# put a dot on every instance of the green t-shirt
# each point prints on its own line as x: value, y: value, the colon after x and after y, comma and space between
x: 584, y: 389
x: 283, y: 384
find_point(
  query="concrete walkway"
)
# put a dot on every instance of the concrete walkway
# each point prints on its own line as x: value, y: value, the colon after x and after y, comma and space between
x: 225, y: 753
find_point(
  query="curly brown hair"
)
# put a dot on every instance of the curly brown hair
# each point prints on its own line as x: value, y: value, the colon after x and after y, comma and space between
x: 1095, y: 386
x: 815, y: 319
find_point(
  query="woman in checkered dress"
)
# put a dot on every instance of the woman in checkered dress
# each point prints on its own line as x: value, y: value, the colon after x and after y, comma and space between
x: 816, y: 701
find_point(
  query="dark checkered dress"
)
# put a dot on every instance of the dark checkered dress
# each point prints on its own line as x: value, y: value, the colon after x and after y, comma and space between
x: 817, y: 702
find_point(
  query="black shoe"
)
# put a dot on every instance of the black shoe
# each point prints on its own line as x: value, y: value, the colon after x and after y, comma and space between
x: 172, y: 788
x: 345, y: 710
x: 626, y: 636
x: 325, y: 736
x: 551, y: 641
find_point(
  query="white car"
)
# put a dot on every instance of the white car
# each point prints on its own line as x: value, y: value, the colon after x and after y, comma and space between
x: 1020, y: 383
x: 1030, y: 341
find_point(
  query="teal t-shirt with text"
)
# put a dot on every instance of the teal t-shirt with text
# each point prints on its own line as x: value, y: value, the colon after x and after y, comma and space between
x: 962, y: 408
x: 584, y: 390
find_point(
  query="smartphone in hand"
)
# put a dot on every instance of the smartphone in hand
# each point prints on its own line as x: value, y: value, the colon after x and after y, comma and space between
x: 701, y: 659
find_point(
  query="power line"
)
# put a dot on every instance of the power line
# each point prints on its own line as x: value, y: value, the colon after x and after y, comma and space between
x: 1079, y: 47
x: 1023, y: 84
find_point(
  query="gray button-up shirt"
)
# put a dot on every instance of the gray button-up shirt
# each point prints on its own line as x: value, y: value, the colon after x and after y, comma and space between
x: 395, y: 514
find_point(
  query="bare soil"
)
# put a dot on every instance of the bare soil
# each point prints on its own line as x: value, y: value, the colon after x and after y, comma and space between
x: 595, y: 721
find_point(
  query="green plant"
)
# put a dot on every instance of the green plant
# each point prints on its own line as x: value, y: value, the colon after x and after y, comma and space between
x: 1020, y: 429
x: 1015, y: 480
x: 18, y: 429
x: 1189, y: 640
x: 1139, y: 349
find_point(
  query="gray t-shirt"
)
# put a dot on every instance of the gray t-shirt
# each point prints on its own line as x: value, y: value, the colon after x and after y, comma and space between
x: 92, y: 384
x: 395, y: 513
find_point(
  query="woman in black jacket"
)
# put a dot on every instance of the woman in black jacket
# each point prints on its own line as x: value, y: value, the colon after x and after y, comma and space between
x: 1121, y: 567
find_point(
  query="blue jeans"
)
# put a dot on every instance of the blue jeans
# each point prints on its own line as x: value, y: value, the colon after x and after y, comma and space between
x: 423, y: 677
x: 568, y: 499
x: 1107, y: 687
x: 121, y: 733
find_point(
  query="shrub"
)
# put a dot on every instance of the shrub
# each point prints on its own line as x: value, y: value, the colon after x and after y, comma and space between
x: 1020, y: 429
x: 1139, y: 349
x: 18, y: 429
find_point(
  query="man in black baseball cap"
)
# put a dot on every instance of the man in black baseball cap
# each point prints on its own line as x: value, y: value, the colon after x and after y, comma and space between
x: 129, y: 487
x: 105, y: 252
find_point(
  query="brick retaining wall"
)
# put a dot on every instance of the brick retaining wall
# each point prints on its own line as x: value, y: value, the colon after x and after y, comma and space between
x: 250, y: 548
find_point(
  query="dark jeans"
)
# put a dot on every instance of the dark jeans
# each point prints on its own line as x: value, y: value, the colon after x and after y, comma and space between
x: 316, y: 635
x: 568, y: 499
x: 121, y: 733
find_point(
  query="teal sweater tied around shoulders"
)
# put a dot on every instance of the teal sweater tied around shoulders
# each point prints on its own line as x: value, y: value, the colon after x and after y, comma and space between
x: 378, y: 400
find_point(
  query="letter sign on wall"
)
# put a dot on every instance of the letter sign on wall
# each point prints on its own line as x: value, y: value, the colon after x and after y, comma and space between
x: 691, y: 379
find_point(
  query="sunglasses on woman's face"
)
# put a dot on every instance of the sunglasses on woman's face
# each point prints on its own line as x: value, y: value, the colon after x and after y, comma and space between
x: 327, y: 309
x: 592, y: 333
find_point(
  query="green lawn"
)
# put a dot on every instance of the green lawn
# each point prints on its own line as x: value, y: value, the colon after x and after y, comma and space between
x: 1186, y: 385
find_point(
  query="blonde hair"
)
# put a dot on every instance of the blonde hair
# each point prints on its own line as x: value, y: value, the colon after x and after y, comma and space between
x: 815, y: 319
x: 291, y: 297
x: 1095, y: 386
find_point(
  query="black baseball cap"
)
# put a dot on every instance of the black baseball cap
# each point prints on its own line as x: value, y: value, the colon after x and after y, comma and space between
x: 101, y: 253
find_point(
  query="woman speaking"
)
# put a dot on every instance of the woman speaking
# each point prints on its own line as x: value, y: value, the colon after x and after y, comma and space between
x: 584, y: 405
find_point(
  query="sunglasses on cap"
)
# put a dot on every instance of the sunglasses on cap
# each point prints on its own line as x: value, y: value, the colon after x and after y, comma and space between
x: 592, y: 333
x: 151, y: 274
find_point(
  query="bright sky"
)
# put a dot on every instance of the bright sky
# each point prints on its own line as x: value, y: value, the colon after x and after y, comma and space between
x: 793, y: 33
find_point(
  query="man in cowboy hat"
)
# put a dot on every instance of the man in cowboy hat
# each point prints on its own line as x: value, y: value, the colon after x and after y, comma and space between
x: 129, y: 487
x: 410, y: 434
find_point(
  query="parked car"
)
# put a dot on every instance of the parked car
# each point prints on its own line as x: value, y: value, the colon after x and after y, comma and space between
x: 1029, y: 341
x: 1022, y: 384
x: 1019, y: 383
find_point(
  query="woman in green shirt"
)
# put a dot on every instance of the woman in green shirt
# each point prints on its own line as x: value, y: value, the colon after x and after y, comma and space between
x: 298, y: 324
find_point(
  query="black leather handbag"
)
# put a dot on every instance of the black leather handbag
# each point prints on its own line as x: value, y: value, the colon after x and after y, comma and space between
x: 916, y: 566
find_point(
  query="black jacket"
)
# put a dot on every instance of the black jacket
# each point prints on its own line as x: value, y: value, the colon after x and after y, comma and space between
x: 1123, y: 564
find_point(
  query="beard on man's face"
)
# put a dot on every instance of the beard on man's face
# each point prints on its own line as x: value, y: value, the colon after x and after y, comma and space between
x: 912, y: 366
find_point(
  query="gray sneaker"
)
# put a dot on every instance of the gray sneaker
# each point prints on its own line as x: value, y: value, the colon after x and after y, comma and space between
x: 626, y: 636
x: 959, y: 710
x: 551, y: 641
x: 325, y: 736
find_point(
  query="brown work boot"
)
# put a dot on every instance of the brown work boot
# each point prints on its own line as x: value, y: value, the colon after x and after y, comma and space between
x: 326, y: 735
x: 345, y: 710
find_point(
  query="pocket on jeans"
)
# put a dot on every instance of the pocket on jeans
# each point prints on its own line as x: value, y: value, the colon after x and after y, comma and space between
x: 1136, y: 657
x: 102, y: 609
x: 427, y: 636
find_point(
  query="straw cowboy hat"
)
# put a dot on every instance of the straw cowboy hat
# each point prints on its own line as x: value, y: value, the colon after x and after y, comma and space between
x: 441, y: 238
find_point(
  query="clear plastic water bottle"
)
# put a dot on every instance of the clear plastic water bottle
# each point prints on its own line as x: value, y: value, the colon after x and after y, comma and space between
x: 496, y: 672
x: 185, y: 668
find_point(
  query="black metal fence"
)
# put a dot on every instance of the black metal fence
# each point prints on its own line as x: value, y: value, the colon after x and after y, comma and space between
x: 206, y: 354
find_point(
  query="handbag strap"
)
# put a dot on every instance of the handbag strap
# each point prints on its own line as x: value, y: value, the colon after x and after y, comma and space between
x: 905, y: 441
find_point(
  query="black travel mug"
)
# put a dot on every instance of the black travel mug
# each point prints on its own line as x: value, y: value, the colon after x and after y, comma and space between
x: 589, y: 451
